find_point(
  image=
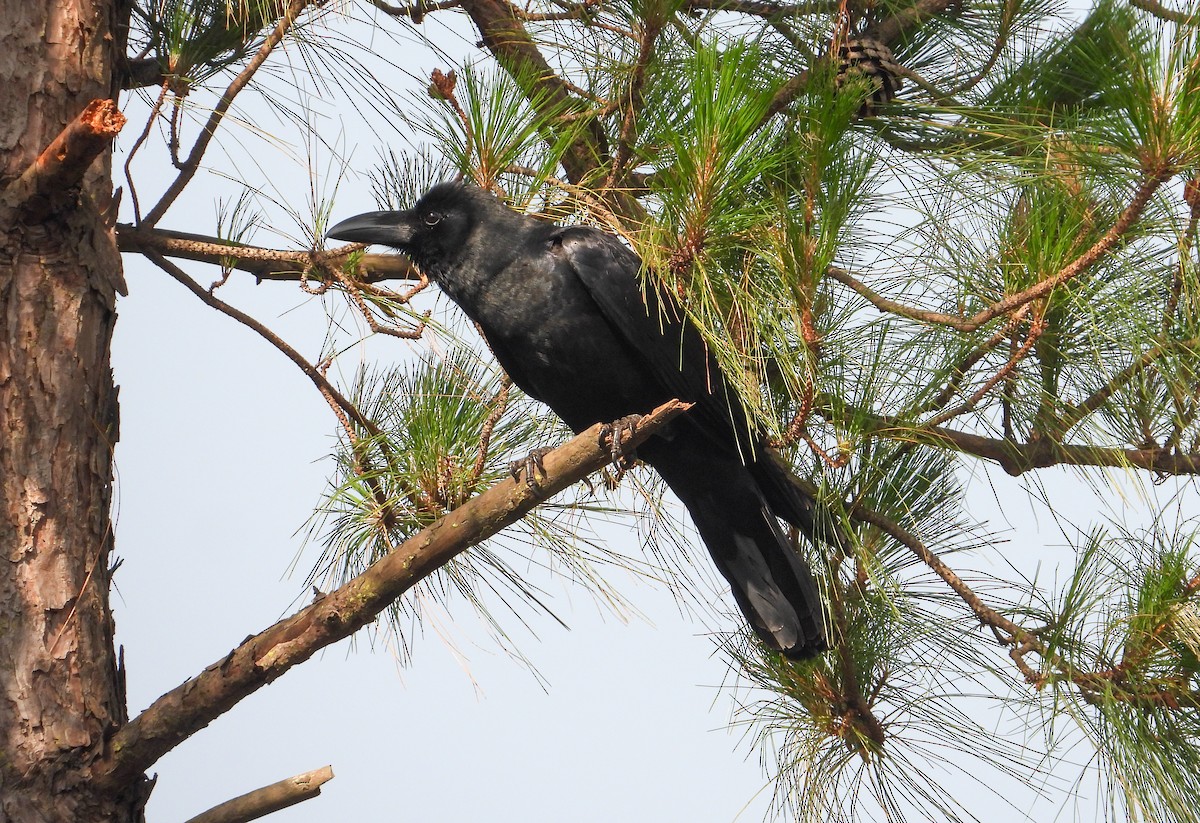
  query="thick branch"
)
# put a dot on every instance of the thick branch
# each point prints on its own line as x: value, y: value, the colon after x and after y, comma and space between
x: 515, y: 50
x: 265, y: 264
x: 61, y: 166
x: 261, y: 659
x: 268, y: 799
x: 892, y: 29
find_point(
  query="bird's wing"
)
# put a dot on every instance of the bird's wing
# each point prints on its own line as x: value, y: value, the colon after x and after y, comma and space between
x: 655, y: 326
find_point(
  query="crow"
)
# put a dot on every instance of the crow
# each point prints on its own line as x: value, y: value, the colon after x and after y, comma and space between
x: 566, y: 314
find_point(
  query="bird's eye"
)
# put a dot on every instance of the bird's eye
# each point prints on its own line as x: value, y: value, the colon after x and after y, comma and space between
x: 432, y: 218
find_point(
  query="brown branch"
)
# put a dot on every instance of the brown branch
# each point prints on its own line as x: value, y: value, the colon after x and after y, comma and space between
x: 885, y: 304
x: 342, y: 408
x: 859, y: 716
x: 499, y: 404
x: 275, y: 340
x: 1162, y: 12
x: 416, y: 11
x: 192, y: 164
x: 1018, y: 458
x: 356, y: 292
x: 761, y: 8
x: 137, y: 145
x: 573, y: 11
x: 1101, y: 395
x: 268, y: 799
x: 786, y: 94
x: 633, y: 107
x: 1035, y: 332
x: 1095, y: 687
x: 1111, y: 239
x: 46, y: 184
x: 264, y: 264
x: 960, y: 371
x: 775, y: 15
x: 515, y: 50
x: 893, y: 28
x: 1153, y: 179
x: 986, y: 614
x: 261, y: 659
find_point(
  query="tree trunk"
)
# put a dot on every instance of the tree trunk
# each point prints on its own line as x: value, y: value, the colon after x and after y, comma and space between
x: 61, y: 693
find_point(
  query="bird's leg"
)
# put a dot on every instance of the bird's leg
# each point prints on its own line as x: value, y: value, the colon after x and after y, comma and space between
x: 616, y: 432
x: 531, y: 465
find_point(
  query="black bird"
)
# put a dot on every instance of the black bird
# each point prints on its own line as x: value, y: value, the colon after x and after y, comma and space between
x: 564, y: 311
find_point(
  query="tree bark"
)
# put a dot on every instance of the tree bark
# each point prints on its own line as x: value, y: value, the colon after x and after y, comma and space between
x: 61, y: 691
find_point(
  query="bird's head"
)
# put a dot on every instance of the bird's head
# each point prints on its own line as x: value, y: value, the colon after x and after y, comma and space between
x: 434, y: 233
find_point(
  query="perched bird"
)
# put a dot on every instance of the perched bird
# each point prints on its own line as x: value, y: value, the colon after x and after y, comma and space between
x: 565, y: 312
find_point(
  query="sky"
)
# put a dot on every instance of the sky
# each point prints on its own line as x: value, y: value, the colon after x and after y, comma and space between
x: 221, y: 460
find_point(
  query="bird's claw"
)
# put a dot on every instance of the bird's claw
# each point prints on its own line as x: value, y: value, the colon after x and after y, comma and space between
x: 531, y: 465
x: 617, y: 432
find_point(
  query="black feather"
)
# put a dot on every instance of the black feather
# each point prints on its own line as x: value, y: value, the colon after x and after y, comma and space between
x: 565, y: 312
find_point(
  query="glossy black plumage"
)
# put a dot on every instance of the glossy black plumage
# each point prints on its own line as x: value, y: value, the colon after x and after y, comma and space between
x: 564, y: 311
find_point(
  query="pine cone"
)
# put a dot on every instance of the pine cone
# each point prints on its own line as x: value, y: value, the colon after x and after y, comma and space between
x: 864, y: 57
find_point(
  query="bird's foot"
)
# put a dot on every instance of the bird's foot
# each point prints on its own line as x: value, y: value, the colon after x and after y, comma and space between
x: 617, y: 432
x: 612, y: 477
x: 531, y: 465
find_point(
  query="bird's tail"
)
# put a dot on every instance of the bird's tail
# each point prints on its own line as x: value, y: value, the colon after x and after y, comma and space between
x: 772, y: 584
x: 789, y: 501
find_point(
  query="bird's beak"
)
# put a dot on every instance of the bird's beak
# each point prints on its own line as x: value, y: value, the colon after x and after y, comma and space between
x: 388, y: 228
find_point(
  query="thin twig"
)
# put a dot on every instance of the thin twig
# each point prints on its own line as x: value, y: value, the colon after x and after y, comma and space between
x: 1111, y: 239
x: 860, y: 717
x: 309, y: 369
x: 192, y: 164
x: 499, y: 404
x: 1096, y: 399
x: 1094, y: 686
x: 959, y: 373
x: 633, y: 106
x: 155, y: 110
x: 355, y: 290
x: 416, y: 11
x: 1035, y: 331
x: 985, y: 613
x: 1159, y: 10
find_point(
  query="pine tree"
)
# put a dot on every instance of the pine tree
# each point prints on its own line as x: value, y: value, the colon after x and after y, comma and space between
x: 926, y: 237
